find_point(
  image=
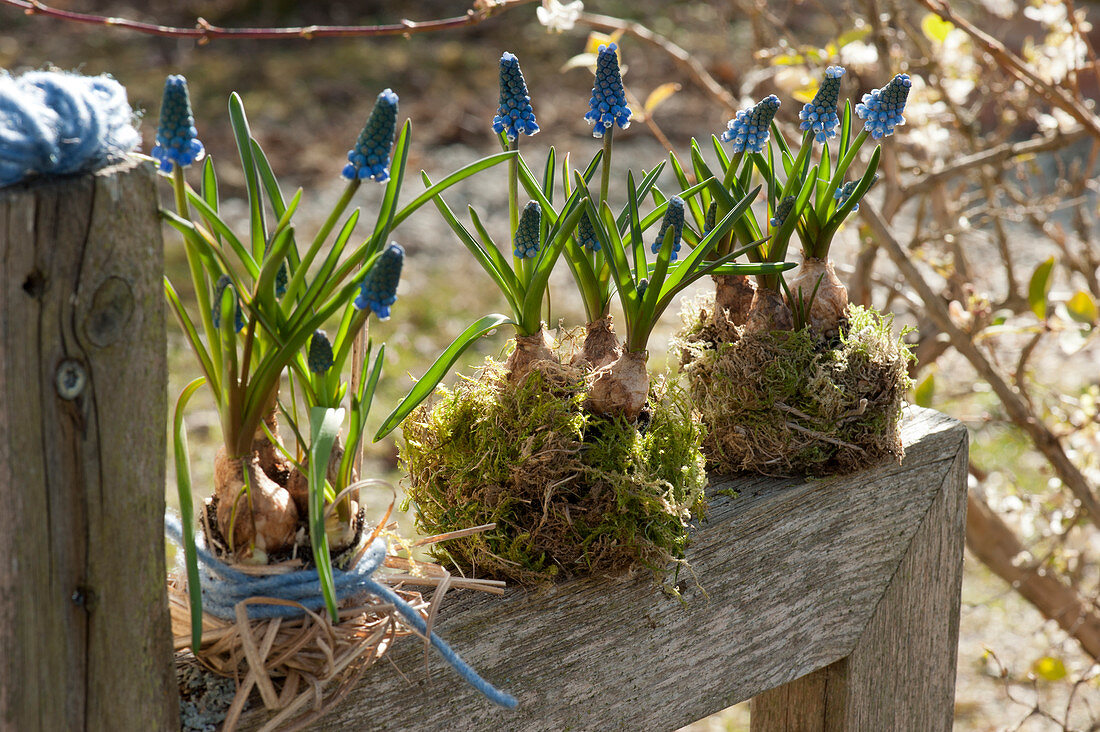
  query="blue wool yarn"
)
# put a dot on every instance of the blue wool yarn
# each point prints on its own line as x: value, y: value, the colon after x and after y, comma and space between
x: 527, y: 234
x: 607, y: 105
x: 379, y: 287
x: 370, y: 158
x: 750, y: 129
x: 674, y: 217
x: 224, y: 587
x: 514, y: 116
x: 55, y: 123
x: 586, y: 234
x: 881, y: 109
x: 177, y: 138
x: 819, y: 114
x: 319, y: 356
x: 782, y: 210
x: 216, y: 312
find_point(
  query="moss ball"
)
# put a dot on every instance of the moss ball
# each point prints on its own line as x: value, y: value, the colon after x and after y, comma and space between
x: 783, y: 402
x: 570, y: 493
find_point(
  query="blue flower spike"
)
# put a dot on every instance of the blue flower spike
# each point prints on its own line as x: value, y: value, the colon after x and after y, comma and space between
x: 750, y: 129
x: 782, y: 211
x: 586, y: 234
x: 844, y: 192
x: 820, y: 114
x: 711, y: 217
x: 608, y: 107
x: 177, y: 139
x: 881, y: 109
x: 514, y: 116
x: 527, y: 234
x: 379, y: 288
x: 319, y: 356
x: 370, y: 158
x: 674, y: 217
x: 216, y: 312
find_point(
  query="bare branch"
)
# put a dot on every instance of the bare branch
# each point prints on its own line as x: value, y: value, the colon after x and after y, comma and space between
x: 204, y: 32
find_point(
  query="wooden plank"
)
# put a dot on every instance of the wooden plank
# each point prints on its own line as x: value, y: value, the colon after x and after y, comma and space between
x: 901, y: 674
x: 84, y: 639
x: 784, y: 580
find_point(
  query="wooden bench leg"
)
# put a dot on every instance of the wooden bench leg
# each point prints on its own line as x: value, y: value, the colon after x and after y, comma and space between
x: 901, y: 673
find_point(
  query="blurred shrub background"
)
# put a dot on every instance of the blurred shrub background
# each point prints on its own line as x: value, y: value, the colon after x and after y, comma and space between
x: 982, y: 232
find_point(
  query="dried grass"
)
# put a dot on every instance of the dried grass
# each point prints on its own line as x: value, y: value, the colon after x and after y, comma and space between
x: 782, y: 403
x: 302, y: 667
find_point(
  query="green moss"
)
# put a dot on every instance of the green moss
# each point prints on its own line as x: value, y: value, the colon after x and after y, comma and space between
x: 571, y: 493
x: 790, y: 402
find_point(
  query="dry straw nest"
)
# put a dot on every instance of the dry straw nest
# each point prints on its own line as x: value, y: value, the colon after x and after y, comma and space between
x: 303, y: 666
x: 783, y: 402
x: 570, y: 492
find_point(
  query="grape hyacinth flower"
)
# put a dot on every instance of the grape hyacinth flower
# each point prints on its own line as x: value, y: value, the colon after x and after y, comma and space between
x: 674, y: 217
x: 319, y: 356
x: 177, y: 138
x: 710, y: 219
x: 881, y: 109
x: 586, y: 234
x: 378, y: 289
x: 750, y: 129
x: 514, y: 116
x: 844, y: 192
x: 608, y: 107
x: 527, y: 235
x: 370, y: 158
x: 819, y: 114
x: 216, y: 313
x: 782, y: 210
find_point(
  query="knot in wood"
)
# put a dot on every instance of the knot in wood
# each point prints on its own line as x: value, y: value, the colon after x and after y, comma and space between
x: 111, y: 311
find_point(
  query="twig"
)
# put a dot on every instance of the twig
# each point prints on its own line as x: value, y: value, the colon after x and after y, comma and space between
x: 682, y: 58
x: 1016, y: 66
x: 204, y: 32
x: 992, y: 156
x: 1016, y: 406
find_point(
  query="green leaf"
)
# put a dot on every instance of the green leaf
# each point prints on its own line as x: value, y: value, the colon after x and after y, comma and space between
x: 1039, y: 287
x: 924, y: 391
x: 248, y: 163
x: 187, y: 509
x: 459, y: 175
x: 438, y: 370
x: 1082, y: 308
x: 324, y: 429
x: 387, y: 209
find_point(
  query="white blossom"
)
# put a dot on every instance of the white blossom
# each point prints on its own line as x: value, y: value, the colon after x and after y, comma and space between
x: 559, y: 17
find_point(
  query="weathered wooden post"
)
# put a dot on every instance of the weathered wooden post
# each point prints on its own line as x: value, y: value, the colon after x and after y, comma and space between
x: 84, y: 634
x: 833, y: 604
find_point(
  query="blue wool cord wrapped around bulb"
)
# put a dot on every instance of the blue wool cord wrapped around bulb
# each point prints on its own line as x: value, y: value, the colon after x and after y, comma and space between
x: 750, y: 129
x: 514, y: 116
x: 224, y: 587
x: 378, y: 291
x: 54, y: 123
x: 177, y: 138
x: 607, y: 106
x: 370, y: 158
x: 527, y: 234
x: 674, y: 217
x: 881, y: 109
x: 782, y: 211
x: 820, y: 114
